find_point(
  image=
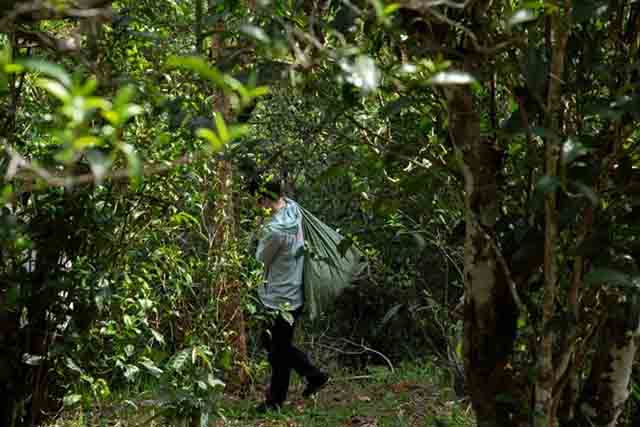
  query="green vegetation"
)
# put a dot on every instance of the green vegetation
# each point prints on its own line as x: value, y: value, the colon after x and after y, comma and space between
x: 411, y: 396
x: 484, y: 155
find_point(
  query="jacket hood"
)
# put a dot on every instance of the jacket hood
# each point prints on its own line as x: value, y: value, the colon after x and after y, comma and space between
x: 288, y: 219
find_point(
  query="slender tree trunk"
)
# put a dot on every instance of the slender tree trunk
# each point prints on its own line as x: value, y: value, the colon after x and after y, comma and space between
x: 489, y: 311
x: 228, y: 289
x: 545, y: 378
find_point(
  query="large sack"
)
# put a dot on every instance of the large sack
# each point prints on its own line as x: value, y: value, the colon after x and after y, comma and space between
x: 327, y: 272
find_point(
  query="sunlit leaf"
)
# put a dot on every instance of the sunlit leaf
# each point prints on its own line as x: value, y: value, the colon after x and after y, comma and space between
x: 97, y: 103
x: 221, y: 126
x: 112, y: 117
x: 133, y: 110
x: 236, y: 131
x: 123, y: 97
x: 99, y: 164
x: 71, y: 399
x: 572, y: 149
x: 151, y: 367
x: 522, y: 16
x: 255, y: 32
x: 258, y: 91
x: 390, y: 9
x: 157, y: 336
x: 87, y: 88
x: 362, y: 73
x: 32, y: 359
x: 55, y: 88
x: 133, y: 161
x: 47, y: 68
x: 452, y: 78
x: 211, y: 138
x: 73, y: 366
x: 199, y: 66
x: 130, y: 372
x: 86, y: 141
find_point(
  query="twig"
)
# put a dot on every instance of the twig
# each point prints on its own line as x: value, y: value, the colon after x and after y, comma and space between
x: 386, y: 359
x: 20, y: 163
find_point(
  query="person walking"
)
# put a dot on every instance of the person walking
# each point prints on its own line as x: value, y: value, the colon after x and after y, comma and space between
x: 281, y: 250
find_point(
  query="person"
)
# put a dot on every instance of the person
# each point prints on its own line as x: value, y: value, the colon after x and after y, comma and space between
x: 280, y: 249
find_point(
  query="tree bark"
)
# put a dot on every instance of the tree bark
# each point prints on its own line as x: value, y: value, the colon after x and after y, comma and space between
x: 607, y: 387
x: 490, y: 312
x: 545, y: 378
x: 228, y: 288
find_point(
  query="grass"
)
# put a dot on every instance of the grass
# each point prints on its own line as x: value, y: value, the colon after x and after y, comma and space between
x: 413, y: 395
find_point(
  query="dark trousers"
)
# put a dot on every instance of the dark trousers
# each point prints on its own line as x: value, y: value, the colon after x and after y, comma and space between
x: 283, y: 357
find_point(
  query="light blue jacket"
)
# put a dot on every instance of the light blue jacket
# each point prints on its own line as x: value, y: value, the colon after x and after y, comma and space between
x: 281, y: 250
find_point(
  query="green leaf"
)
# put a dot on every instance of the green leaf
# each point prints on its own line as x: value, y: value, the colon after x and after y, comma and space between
x: 55, y: 88
x: 151, y: 367
x: 237, y: 131
x: 447, y: 78
x: 73, y: 366
x: 608, y: 276
x: 129, y: 350
x: 522, y: 16
x: 221, y: 126
x: 32, y: 359
x: 199, y: 66
x: 390, y: 9
x: 214, y: 382
x: 71, y: 399
x: 96, y: 103
x: 287, y: 316
x: 571, y: 150
x: 585, y: 10
x: 545, y: 133
x: 157, y: 336
x: 47, y: 68
x: 131, y: 371
x: 588, y: 192
x: 123, y: 97
x: 128, y: 321
x: 389, y: 315
x: 255, y: 32
x: 211, y: 138
x: 86, y: 141
x: 179, y: 360
x: 133, y: 161
x: 547, y: 184
x: 87, y: 88
x: 7, y: 193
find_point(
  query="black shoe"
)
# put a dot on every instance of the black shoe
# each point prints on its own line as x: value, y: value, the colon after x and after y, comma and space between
x: 315, y: 384
x: 265, y: 407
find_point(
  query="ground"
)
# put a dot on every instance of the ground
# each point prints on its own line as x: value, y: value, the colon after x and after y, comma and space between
x: 408, y: 396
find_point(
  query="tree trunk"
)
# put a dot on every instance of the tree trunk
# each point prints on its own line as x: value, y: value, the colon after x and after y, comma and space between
x: 545, y: 374
x: 607, y: 387
x: 490, y: 313
x: 228, y: 289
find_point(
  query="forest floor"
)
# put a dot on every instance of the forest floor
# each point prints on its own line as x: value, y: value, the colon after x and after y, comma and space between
x: 409, y: 396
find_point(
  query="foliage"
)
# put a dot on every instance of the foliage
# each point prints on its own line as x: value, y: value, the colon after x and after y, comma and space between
x: 113, y: 263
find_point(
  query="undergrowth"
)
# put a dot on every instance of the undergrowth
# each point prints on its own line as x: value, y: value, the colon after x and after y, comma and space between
x: 413, y: 394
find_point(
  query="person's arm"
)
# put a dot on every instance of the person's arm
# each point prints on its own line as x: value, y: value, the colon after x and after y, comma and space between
x: 268, y: 248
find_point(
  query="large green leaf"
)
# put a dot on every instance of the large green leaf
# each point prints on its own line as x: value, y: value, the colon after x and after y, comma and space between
x: 47, y: 68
